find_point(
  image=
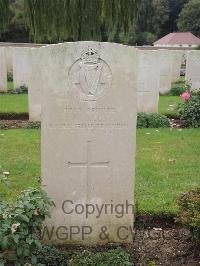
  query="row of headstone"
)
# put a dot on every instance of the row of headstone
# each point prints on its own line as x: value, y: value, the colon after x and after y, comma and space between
x: 16, y: 61
x: 88, y: 93
x: 156, y: 71
x: 193, y: 69
x: 3, y: 70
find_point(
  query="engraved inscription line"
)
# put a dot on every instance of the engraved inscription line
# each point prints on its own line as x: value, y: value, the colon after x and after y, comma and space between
x: 88, y: 162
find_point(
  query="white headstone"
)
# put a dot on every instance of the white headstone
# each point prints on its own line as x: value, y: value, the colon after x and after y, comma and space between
x: 165, y: 71
x: 20, y: 66
x: 3, y: 70
x: 193, y: 69
x: 34, y: 85
x: 148, y: 81
x: 177, y: 58
x: 9, y: 58
x: 88, y: 140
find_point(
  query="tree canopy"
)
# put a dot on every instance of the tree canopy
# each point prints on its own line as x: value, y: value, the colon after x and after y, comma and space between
x: 125, y: 21
x: 78, y: 19
x: 189, y: 18
x: 4, y: 13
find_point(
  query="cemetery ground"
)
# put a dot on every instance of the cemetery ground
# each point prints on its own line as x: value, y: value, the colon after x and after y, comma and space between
x: 18, y: 103
x: 167, y: 164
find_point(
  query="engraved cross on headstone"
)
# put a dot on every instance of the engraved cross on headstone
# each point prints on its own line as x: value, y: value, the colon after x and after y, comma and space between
x: 88, y: 162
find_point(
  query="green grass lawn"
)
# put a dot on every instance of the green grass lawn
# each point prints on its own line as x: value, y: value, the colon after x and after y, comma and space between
x: 10, y: 85
x: 13, y: 103
x: 167, y: 105
x: 167, y: 164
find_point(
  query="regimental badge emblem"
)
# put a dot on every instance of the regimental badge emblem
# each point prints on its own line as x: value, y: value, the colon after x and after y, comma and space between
x: 90, y: 75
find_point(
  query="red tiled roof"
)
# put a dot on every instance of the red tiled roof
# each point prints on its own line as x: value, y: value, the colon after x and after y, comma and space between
x: 179, y: 38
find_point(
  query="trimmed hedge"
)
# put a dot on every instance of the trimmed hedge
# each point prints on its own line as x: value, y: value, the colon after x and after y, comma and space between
x: 152, y: 120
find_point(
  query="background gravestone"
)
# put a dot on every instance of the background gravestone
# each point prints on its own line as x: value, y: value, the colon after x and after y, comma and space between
x: 9, y: 58
x: 20, y: 66
x: 88, y: 135
x: 177, y: 58
x: 193, y: 68
x: 148, y: 81
x: 3, y: 70
x: 34, y: 85
x: 165, y: 70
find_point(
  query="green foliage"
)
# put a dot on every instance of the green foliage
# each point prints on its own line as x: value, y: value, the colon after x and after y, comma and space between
x: 15, y: 30
x: 142, y: 120
x: 152, y: 263
x: 4, y: 181
x: 189, y: 18
x: 47, y: 255
x: 2, y: 125
x: 33, y: 125
x: 153, y: 16
x: 4, y: 11
x: 189, y: 212
x: 113, y: 257
x: 190, y: 110
x: 21, y: 90
x: 152, y: 120
x: 177, y: 90
x: 158, y: 120
x: 55, y: 20
x: 10, y: 76
x: 20, y: 223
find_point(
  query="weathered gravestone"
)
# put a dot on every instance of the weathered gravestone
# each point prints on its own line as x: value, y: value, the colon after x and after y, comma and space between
x: 3, y: 70
x: 9, y: 58
x: 88, y: 141
x: 193, y: 69
x: 34, y: 85
x: 177, y: 59
x: 165, y: 71
x: 148, y: 81
x: 20, y: 66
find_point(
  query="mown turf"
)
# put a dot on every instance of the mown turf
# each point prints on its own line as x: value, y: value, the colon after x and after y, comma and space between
x: 10, y: 85
x: 13, y: 103
x: 168, y: 105
x: 18, y: 103
x: 167, y: 164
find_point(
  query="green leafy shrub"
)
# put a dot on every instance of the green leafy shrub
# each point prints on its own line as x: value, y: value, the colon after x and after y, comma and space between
x: 189, y: 212
x: 142, y: 121
x: 10, y: 76
x: 21, y: 90
x: 112, y: 257
x: 152, y: 120
x: 5, y: 182
x: 177, y: 91
x: 190, y: 110
x: 47, y: 255
x: 52, y: 256
x: 158, y: 120
x: 20, y: 224
x: 33, y: 125
x: 2, y: 125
